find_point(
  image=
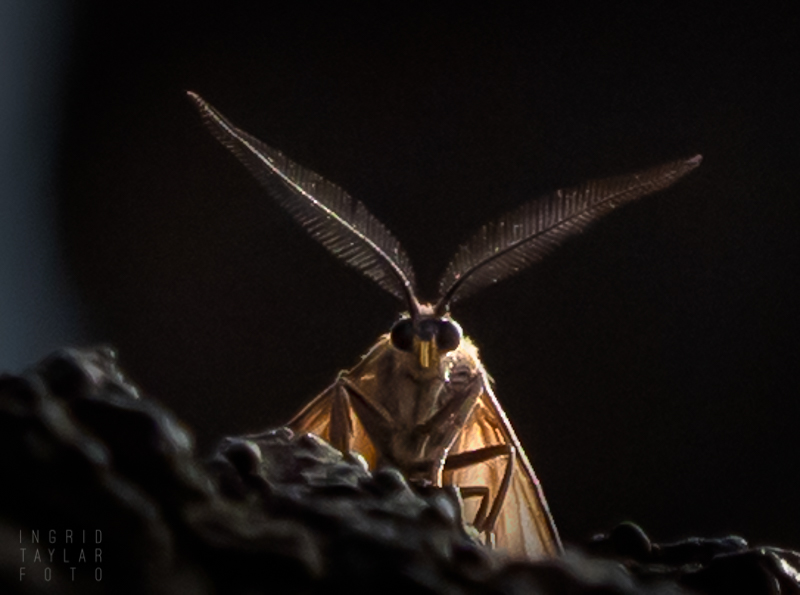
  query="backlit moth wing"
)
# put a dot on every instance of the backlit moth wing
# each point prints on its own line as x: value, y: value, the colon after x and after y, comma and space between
x: 524, y: 528
x: 315, y: 418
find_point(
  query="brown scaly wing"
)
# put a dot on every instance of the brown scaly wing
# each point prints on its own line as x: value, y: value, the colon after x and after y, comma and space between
x: 524, y: 528
x: 315, y: 418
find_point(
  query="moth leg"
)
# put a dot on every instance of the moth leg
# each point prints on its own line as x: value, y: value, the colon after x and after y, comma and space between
x: 371, y: 414
x: 444, y: 424
x: 340, y: 430
x: 481, y: 455
x: 483, y: 493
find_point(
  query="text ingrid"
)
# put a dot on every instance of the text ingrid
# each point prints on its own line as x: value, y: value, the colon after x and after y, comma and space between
x: 76, y: 549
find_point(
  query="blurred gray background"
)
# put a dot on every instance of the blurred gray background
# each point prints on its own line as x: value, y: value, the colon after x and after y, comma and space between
x: 38, y: 305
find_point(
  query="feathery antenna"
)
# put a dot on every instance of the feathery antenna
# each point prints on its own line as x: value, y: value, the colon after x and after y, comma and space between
x: 331, y: 216
x: 527, y: 234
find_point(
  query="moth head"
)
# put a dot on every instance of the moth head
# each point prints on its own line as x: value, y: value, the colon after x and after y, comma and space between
x: 428, y: 337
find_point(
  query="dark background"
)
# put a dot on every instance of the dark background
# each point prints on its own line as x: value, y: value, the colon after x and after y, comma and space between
x: 649, y: 367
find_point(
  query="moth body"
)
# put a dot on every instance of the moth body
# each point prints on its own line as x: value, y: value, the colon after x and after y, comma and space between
x: 418, y: 411
x: 420, y: 400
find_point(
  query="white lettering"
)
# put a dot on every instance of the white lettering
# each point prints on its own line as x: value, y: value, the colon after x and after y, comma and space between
x: 21, y: 573
x: 69, y: 535
x: 36, y: 556
x: 51, y: 552
x: 52, y: 535
x: 23, y: 553
x: 98, y: 554
x: 82, y: 556
x: 35, y: 536
x: 65, y: 556
x: 47, y: 573
x: 98, y: 574
x: 98, y: 536
x: 72, y: 569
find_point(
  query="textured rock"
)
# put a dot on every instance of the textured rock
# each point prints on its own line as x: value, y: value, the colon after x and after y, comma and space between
x: 80, y: 449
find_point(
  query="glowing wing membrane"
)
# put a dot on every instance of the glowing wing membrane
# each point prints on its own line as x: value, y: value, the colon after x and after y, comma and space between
x: 524, y: 526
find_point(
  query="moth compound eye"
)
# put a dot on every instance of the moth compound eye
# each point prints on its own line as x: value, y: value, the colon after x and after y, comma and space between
x: 403, y: 334
x: 448, y: 335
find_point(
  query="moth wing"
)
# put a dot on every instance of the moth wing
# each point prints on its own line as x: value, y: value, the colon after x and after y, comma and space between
x: 524, y: 527
x: 315, y: 418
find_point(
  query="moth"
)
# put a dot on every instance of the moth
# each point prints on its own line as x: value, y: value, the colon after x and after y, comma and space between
x: 420, y: 399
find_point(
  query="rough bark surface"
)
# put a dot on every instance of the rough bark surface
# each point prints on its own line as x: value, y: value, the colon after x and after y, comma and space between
x: 82, y: 450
